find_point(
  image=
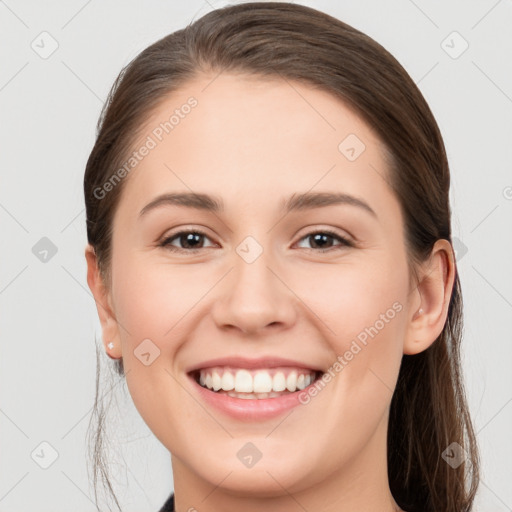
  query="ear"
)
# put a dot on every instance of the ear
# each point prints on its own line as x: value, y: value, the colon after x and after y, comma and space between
x: 102, y: 297
x: 432, y: 295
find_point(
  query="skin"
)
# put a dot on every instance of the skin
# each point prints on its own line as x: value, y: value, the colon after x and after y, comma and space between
x: 253, y: 143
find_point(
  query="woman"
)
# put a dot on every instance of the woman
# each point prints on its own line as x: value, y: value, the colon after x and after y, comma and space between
x: 270, y: 253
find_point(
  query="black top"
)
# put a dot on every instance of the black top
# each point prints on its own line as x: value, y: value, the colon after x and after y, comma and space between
x: 169, y: 505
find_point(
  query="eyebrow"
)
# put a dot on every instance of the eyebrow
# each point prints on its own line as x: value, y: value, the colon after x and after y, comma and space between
x: 297, y: 202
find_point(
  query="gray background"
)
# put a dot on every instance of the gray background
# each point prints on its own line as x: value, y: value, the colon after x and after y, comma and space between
x: 48, y: 322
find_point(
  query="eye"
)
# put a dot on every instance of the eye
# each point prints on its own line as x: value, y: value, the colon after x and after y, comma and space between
x: 191, y: 241
x: 324, y: 238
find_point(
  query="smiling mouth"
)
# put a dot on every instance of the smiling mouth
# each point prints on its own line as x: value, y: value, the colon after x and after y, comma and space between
x: 255, y: 384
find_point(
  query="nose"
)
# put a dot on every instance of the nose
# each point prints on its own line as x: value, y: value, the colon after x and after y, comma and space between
x: 254, y: 298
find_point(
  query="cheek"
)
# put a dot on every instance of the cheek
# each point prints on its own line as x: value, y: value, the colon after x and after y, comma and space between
x: 351, y: 297
x: 155, y: 302
x: 151, y: 298
x: 362, y: 313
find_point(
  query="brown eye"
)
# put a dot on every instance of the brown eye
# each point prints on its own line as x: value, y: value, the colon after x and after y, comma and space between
x: 323, y: 240
x: 189, y: 241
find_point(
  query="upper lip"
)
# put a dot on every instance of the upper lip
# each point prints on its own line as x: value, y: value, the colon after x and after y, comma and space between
x: 260, y: 362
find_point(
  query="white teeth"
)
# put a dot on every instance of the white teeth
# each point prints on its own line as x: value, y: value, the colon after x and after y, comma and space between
x: 243, y: 382
x: 279, y: 382
x: 261, y: 383
x: 291, y: 381
x: 246, y: 396
x: 252, y: 396
x: 228, y: 381
x: 216, y: 381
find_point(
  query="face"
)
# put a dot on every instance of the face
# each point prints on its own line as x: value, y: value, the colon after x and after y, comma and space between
x: 267, y: 286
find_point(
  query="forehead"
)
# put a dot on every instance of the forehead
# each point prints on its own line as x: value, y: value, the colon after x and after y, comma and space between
x: 254, y: 138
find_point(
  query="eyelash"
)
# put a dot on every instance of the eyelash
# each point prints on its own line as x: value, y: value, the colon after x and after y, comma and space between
x: 166, y: 241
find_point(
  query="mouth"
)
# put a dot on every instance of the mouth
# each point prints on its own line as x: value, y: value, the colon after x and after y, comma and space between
x: 255, y: 383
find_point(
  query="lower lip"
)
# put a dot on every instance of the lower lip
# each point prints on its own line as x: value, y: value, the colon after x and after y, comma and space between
x: 250, y: 409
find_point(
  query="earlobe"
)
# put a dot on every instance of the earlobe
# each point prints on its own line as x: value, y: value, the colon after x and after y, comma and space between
x: 102, y: 298
x: 433, y: 294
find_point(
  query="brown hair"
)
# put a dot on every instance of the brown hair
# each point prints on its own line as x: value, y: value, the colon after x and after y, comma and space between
x: 269, y: 39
